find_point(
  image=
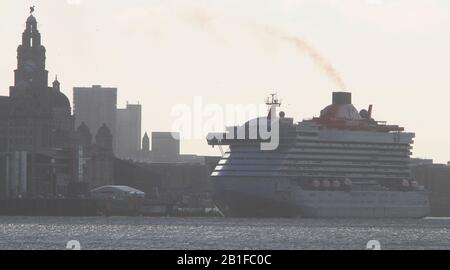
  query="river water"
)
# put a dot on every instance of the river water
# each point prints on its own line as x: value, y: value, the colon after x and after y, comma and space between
x: 142, y: 233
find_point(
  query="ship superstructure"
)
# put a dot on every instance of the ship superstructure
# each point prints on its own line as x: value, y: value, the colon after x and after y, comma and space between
x: 340, y: 164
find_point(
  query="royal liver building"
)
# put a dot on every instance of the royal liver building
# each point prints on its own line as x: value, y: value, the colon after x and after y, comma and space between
x: 40, y: 152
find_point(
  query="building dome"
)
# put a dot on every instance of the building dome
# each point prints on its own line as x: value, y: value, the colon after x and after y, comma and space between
x: 103, y: 132
x: 103, y: 138
x: 85, y: 135
x: 31, y: 19
x: 83, y: 129
x: 59, y: 100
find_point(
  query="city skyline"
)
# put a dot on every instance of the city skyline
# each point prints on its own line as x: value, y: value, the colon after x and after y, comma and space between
x: 222, y: 125
x: 162, y: 50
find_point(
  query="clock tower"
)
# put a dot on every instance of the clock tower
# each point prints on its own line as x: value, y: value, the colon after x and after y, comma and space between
x: 39, y: 115
x: 30, y: 77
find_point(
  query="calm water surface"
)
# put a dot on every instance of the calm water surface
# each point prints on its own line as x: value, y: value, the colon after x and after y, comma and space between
x: 220, y: 233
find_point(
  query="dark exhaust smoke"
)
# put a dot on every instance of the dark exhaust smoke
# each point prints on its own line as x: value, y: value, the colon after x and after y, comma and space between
x: 325, y: 66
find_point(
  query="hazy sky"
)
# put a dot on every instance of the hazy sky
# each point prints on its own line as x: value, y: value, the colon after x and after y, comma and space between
x: 390, y: 53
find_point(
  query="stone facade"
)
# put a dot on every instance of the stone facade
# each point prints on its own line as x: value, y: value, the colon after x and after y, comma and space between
x: 40, y: 151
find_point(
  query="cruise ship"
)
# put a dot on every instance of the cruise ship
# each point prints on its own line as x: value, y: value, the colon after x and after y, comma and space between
x: 338, y: 165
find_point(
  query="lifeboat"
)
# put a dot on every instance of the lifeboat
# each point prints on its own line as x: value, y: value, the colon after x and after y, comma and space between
x: 336, y: 184
x: 347, y: 182
x: 315, y: 184
x: 405, y: 183
x: 326, y: 184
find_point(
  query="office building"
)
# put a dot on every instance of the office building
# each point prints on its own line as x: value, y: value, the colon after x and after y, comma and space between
x: 129, y: 132
x: 96, y: 106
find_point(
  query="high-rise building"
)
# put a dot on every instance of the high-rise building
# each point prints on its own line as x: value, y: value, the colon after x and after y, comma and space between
x: 128, y: 131
x: 96, y: 106
x: 165, y: 146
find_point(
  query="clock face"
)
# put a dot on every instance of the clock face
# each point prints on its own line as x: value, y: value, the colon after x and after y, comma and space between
x: 30, y: 66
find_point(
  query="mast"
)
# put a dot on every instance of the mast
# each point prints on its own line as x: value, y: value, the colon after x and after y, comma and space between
x: 272, y: 103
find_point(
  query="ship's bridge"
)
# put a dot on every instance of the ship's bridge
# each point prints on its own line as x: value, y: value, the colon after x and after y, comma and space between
x: 256, y: 130
x: 248, y: 132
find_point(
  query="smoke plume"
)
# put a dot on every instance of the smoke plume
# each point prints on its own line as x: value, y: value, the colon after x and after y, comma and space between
x: 203, y: 19
x: 325, y: 66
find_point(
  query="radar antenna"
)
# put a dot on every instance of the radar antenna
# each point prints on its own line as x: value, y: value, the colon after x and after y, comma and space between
x: 272, y: 102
